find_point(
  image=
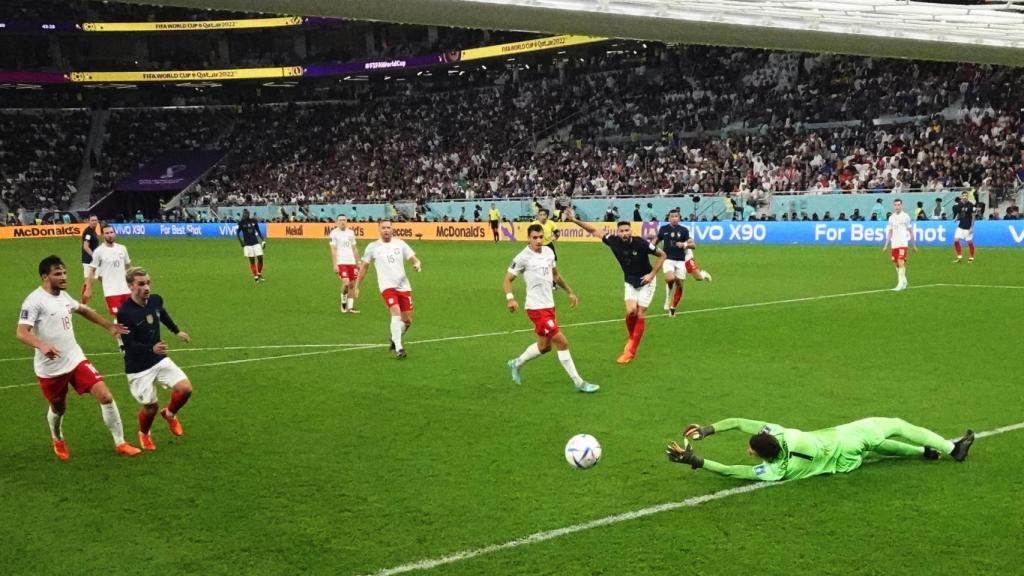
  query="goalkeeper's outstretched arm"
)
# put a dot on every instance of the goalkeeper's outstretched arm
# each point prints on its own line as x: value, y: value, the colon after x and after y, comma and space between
x: 744, y: 425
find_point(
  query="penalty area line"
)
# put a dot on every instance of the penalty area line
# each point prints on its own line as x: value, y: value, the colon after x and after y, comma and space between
x: 536, y: 537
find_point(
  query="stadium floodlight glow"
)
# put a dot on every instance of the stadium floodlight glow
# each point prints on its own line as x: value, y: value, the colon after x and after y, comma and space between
x: 991, y: 32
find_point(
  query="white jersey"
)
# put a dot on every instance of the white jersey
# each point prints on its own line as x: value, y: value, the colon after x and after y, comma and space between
x: 110, y: 263
x: 537, y: 270
x: 343, y: 242
x: 50, y: 319
x: 900, y: 226
x: 389, y: 259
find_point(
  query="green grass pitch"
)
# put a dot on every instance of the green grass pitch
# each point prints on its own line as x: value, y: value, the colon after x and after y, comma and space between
x: 332, y: 460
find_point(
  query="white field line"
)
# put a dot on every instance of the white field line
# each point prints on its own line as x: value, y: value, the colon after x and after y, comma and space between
x: 609, y: 520
x: 220, y: 348
x: 1001, y: 287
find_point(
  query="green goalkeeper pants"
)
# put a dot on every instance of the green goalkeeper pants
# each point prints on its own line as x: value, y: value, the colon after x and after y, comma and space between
x: 875, y: 435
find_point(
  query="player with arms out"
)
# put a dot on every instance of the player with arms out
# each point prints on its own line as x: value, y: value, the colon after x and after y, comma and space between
x: 388, y: 256
x: 899, y: 234
x: 45, y: 324
x: 964, y: 229
x: 109, y: 262
x: 537, y: 265
x: 252, y: 241
x: 790, y: 454
x: 145, y: 357
x: 345, y: 256
x: 90, y: 241
x: 678, y: 246
x: 633, y: 254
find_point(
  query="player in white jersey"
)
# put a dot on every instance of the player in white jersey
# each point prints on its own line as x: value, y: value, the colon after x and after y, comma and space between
x: 45, y: 324
x: 536, y: 264
x: 345, y: 255
x: 388, y: 256
x: 109, y: 262
x: 899, y: 234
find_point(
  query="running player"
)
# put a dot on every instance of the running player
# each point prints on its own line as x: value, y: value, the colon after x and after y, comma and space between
x: 633, y: 254
x: 678, y: 246
x: 964, y: 229
x: 252, y: 241
x: 494, y: 217
x: 790, y: 454
x: 145, y: 357
x: 899, y: 234
x: 345, y: 255
x: 90, y: 241
x: 45, y: 324
x: 109, y: 262
x: 388, y: 256
x: 537, y: 265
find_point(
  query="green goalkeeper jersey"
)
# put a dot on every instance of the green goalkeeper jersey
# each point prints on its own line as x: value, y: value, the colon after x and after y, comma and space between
x: 803, y: 453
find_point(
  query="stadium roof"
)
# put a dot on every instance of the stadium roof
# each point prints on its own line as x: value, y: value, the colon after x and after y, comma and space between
x: 991, y: 32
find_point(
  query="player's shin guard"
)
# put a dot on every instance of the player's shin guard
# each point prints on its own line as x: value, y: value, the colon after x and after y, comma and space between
x: 956, y: 246
x: 54, y: 420
x: 532, y: 351
x: 397, y: 328
x: 112, y: 418
x: 146, y: 421
x: 178, y: 399
x: 570, y: 367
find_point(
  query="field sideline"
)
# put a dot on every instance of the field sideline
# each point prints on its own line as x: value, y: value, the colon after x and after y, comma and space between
x: 308, y: 449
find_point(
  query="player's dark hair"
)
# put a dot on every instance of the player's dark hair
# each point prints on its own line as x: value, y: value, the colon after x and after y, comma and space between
x: 535, y: 228
x: 765, y: 445
x: 49, y: 263
x: 105, y: 226
x: 674, y: 211
x: 544, y: 210
x: 623, y: 223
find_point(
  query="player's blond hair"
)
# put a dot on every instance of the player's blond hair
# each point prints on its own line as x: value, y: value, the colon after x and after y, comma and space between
x: 133, y: 273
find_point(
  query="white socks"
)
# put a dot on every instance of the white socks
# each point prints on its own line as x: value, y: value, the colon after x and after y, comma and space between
x: 570, y: 367
x: 901, y: 274
x: 397, y: 329
x: 112, y: 418
x: 54, y: 419
x: 351, y: 303
x: 532, y: 351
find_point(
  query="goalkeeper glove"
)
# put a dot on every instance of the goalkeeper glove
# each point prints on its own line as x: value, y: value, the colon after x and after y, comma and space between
x: 681, y: 455
x: 698, y: 432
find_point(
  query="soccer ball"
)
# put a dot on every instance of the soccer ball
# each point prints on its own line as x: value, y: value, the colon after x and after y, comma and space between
x: 582, y: 451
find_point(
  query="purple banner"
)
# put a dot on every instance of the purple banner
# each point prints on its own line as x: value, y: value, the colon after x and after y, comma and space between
x: 171, y: 172
x: 381, y: 65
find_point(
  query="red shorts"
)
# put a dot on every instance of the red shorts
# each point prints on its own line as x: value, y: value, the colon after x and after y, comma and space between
x: 82, y: 378
x: 114, y: 303
x: 899, y: 254
x: 402, y: 299
x: 691, y: 265
x: 544, y: 322
x: 348, y: 271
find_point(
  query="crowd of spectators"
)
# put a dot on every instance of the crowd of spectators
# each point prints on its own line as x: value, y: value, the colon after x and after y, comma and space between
x: 41, y: 157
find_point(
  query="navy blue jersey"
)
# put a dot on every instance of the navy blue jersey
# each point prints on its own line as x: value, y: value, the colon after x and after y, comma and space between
x: 89, y: 235
x: 966, y: 216
x: 249, y: 232
x: 633, y: 256
x: 144, y: 323
x: 668, y: 235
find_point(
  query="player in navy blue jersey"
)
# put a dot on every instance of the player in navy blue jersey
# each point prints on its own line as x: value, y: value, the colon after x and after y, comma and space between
x: 964, y: 228
x: 678, y: 246
x: 90, y: 241
x: 633, y: 254
x: 252, y: 241
x: 145, y: 357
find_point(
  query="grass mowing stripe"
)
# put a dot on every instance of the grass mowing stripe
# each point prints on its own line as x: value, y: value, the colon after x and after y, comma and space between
x: 613, y: 519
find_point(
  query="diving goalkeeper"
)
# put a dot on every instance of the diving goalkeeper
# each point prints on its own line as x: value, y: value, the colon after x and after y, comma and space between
x: 789, y: 454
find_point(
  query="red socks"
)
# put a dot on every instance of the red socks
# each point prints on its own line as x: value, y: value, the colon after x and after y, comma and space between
x: 956, y: 246
x: 145, y: 421
x: 259, y: 267
x: 636, y: 334
x: 678, y: 294
x: 252, y: 268
x: 970, y: 248
x: 177, y: 401
x: 630, y: 324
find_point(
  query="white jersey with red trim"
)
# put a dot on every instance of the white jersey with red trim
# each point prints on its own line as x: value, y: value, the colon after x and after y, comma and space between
x: 389, y: 260
x: 901, y: 228
x: 50, y: 318
x: 537, y: 270
x: 343, y: 242
x: 109, y: 263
